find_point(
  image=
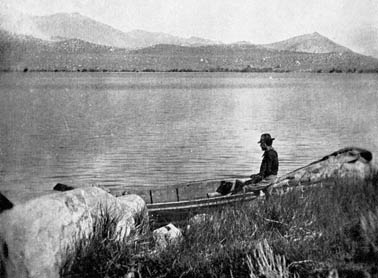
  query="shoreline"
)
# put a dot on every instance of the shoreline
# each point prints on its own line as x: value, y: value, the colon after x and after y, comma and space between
x: 254, y: 70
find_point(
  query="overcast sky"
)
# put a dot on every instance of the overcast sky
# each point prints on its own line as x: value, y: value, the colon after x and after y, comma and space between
x: 257, y: 21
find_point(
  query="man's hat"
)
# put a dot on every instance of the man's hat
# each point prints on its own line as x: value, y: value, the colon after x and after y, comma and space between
x: 265, y: 138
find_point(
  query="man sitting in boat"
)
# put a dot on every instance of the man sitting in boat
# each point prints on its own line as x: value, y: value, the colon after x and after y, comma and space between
x: 266, y: 176
x: 268, y: 168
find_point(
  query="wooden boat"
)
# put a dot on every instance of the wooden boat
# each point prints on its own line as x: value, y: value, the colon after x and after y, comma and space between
x: 181, y: 200
x: 177, y: 202
x: 194, y: 200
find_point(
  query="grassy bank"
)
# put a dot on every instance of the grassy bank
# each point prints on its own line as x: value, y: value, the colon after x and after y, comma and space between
x: 307, y: 234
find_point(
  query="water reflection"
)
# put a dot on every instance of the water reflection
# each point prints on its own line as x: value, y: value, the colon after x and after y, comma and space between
x: 158, y: 129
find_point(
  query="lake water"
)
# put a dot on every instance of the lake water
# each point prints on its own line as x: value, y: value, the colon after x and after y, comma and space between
x: 143, y: 129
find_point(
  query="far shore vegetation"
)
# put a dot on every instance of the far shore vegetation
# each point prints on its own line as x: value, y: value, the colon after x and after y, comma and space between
x: 218, y: 69
x: 315, y: 232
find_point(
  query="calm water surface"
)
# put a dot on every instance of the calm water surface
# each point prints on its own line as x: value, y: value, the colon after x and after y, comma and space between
x: 143, y: 129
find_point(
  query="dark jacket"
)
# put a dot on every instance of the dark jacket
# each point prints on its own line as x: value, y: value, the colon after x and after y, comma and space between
x: 269, y: 164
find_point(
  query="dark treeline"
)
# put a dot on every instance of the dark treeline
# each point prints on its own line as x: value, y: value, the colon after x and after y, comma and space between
x: 217, y: 69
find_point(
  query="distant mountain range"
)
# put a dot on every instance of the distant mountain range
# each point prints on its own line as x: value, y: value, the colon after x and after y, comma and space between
x: 64, y: 26
x: 75, y: 42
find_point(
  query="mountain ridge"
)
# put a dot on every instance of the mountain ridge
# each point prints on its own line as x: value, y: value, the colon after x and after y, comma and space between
x: 24, y: 53
x: 66, y: 25
x: 63, y: 26
x: 75, y: 42
x: 311, y: 43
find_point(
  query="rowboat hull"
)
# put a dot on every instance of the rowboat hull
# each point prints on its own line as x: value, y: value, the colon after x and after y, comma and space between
x: 161, y: 213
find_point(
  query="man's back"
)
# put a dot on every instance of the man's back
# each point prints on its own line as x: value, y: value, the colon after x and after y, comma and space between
x: 269, y: 164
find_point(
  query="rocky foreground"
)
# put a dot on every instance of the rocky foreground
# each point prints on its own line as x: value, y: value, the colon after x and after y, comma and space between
x: 36, y: 235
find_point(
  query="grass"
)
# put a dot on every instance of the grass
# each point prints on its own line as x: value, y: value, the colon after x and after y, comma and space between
x: 103, y: 253
x: 298, y: 234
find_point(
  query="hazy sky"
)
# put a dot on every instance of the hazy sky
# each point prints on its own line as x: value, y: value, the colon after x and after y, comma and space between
x: 257, y: 21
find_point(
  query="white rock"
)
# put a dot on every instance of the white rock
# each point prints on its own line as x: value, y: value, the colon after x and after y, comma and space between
x: 103, y: 188
x: 133, y: 202
x: 137, y: 206
x: 353, y: 164
x: 166, y: 235
x: 34, y: 236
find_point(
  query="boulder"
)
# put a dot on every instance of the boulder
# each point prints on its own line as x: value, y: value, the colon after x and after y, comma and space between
x: 348, y: 165
x: 103, y: 188
x: 34, y: 236
x: 4, y: 203
x: 63, y: 187
x: 136, y: 205
x: 166, y: 235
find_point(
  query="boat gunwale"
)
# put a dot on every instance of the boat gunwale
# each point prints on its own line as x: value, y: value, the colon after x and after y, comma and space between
x: 202, y: 202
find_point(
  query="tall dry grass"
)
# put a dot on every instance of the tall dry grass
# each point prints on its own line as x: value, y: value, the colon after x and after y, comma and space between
x: 323, y: 230
x: 103, y: 253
